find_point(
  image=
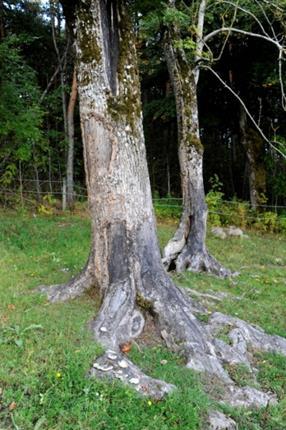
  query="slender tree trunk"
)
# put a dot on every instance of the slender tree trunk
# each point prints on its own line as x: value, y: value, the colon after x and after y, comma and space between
x: 21, y: 184
x: 187, y: 249
x: 50, y: 172
x: 62, y: 64
x: 124, y: 262
x: 37, y: 178
x: 253, y: 145
x: 168, y: 177
x: 70, y: 157
x: 37, y: 182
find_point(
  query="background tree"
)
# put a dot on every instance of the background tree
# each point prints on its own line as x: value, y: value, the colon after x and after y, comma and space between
x: 187, y: 249
x: 21, y: 116
x: 31, y: 25
x: 186, y: 48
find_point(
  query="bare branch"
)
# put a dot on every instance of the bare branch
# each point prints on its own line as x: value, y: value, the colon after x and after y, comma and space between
x: 246, y: 110
x: 227, y: 37
x: 245, y: 33
x: 273, y: 5
x: 266, y: 17
x: 199, y: 38
x: 44, y: 93
x: 54, y: 75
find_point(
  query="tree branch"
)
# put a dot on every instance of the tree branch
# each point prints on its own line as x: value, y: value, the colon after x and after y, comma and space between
x: 54, y: 75
x: 246, y: 110
x: 245, y: 33
x: 199, y: 38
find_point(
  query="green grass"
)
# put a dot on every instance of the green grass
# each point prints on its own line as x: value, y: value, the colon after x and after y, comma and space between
x: 46, y: 349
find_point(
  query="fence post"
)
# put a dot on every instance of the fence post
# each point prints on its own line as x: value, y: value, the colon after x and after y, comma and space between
x: 64, y: 195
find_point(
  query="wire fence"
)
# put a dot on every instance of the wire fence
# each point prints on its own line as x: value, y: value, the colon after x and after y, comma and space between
x: 34, y: 192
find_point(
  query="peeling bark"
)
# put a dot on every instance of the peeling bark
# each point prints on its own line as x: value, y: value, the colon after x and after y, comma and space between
x: 125, y: 263
x: 187, y: 249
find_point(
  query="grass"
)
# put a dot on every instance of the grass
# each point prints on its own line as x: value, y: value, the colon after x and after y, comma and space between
x: 46, y: 349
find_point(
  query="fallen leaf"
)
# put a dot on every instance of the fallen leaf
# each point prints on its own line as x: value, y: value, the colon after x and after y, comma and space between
x: 125, y: 347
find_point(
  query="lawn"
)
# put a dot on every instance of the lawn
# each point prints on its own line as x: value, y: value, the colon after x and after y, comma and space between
x: 46, y: 349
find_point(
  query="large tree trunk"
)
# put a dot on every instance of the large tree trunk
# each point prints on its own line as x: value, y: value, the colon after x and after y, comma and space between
x: 187, y: 249
x: 125, y: 263
x: 254, y: 149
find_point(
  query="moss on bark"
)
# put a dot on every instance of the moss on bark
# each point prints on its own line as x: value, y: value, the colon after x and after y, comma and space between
x: 89, y: 49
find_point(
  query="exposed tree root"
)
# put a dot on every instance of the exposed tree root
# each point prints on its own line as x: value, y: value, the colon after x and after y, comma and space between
x: 213, y: 297
x: 243, y: 335
x: 120, y: 320
x: 183, y: 333
x: 177, y: 242
x: 72, y: 289
x: 115, y: 365
x: 201, y: 262
x: 190, y: 253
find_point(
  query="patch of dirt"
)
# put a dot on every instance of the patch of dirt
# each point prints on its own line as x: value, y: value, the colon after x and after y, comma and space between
x: 151, y: 335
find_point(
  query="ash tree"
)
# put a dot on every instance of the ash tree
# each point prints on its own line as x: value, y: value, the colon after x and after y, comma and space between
x: 187, y: 249
x: 186, y: 30
x: 124, y: 264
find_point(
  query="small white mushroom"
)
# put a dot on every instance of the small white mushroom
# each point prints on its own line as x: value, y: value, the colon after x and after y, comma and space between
x: 103, y: 367
x: 112, y: 356
x: 123, y: 364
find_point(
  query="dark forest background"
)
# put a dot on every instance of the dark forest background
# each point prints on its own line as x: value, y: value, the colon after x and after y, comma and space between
x: 36, y: 69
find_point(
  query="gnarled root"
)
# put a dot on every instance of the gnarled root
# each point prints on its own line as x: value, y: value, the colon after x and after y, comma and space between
x: 177, y: 242
x: 115, y: 365
x: 189, y: 253
x: 120, y: 320
x: 201, y: 262
x: 72, y: 289
x: 203, y: 349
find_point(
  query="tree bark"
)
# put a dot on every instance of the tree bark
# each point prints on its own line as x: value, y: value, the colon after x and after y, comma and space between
x: 187, y: 249
x: 70, y: 156
x: 125, y: 263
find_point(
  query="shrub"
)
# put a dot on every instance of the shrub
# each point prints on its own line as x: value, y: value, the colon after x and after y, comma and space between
x: 267, y: 221
x: 282, y: 223
x: 236, y: 213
